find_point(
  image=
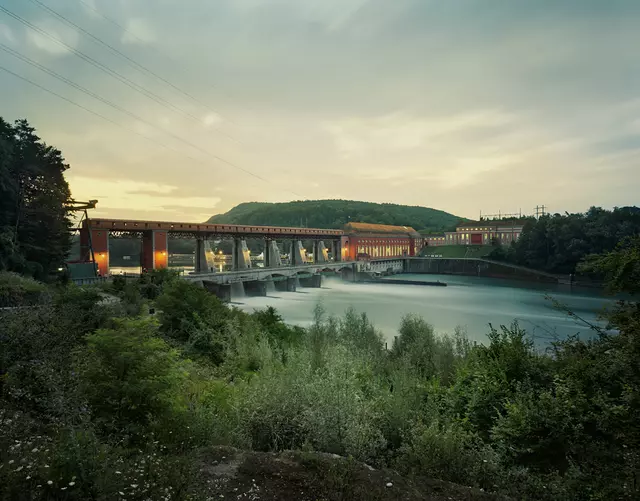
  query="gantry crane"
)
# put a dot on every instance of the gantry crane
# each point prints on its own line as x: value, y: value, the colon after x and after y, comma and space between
x: 72, y: 205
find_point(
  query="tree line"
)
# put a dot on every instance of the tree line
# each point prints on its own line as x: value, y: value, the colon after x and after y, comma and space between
x: 558, y: 243
x: 34, y: 227
x: 336, y: 213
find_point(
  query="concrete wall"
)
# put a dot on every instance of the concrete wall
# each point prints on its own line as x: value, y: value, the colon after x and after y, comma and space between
x: 314, y: 281
x: 222, y: 291
x: 472, y: 267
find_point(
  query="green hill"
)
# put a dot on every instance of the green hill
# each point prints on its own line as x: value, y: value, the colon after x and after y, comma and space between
x: 335, y: 214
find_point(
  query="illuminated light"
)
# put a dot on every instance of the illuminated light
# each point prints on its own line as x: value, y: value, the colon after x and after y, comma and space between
x: 164, y: 253
x: 102, y: 254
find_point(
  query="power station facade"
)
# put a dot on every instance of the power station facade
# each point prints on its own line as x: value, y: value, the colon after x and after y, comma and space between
x: 478, y: 233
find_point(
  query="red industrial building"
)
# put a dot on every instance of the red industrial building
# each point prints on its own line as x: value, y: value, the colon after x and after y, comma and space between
x: 374, y: 241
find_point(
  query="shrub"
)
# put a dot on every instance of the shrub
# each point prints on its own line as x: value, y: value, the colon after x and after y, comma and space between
x: 326, y: 408
x: 359, y: 334
x: 445, y: 450
x: 36, y: 355
x: 493, y: 374
x: 130, y: 377
x: 185, y: 306
x: 280, y: 335
x: 419, y: 348
x: 16, y: 290
x: 152, y: 283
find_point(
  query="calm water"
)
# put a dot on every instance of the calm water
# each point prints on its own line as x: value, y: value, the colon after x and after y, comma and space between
x: 469, y: 302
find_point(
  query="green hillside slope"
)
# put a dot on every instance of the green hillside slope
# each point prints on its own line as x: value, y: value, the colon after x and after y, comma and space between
x: 335, y: 214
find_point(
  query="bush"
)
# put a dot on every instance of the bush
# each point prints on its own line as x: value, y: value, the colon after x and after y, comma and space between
x: 130, y: 377
x: 327, y: 409
x: 448, y: 452
x: 428, y: 355
x: 36, y: 355
x: 16, y: 290
x: 280, y: 335
x: 152, y: 283
x: 493, y: 374
x: 185, y: 306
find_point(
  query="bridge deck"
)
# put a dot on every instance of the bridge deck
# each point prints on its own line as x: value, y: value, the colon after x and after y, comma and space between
x: 229, y: 277
x: 126, y: 225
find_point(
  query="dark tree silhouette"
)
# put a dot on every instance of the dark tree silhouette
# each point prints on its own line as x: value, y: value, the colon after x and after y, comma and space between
x: 34, y: 227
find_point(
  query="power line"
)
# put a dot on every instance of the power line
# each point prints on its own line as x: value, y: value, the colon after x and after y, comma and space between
x: 140, y: 67
x: 88, y: 110
x: 130, y: 33
x: 100, y: 66
x: 79, y: 87
x: 121, y: 109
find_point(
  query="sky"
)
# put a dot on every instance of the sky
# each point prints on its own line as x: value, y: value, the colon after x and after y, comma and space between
x: 194, y: 106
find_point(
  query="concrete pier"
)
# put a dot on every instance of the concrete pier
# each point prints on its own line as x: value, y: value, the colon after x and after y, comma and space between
x: 256, y: 288
x: 287, y: 285
x: 221, y: 291
x: 241, y: 255
x: 314, y: 281
x: 272, y: 254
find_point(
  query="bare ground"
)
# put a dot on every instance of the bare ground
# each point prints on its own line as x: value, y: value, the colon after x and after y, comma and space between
x: 240, y: 475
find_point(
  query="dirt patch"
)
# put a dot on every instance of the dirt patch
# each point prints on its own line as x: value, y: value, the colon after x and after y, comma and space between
x: 295, y: 476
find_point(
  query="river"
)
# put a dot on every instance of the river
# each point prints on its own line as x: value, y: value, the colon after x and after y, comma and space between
x: 468, y: 302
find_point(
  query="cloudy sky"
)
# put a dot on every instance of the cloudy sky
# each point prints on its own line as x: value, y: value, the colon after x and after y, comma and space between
x: 461, y: 105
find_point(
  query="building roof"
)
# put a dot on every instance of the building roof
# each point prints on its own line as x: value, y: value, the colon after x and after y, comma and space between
x: 380, y: 228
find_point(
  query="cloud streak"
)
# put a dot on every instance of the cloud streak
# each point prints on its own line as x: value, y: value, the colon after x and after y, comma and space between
x: 458, y: 105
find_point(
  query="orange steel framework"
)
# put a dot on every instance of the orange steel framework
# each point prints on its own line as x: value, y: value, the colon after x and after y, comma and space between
x: 355, y: 244
x: 94, y: 236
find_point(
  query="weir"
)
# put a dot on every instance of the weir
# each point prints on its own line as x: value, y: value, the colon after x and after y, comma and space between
x: 237, y: 290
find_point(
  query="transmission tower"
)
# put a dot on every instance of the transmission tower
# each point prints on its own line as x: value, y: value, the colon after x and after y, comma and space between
x: 540, y: 211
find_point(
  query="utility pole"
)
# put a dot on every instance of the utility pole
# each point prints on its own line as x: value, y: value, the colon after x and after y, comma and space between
x: 540, y: 211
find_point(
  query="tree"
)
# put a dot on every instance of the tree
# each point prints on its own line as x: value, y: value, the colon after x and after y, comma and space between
x: 335, y: 214
x: 130, y: 376
x: 621, y: 267
x: 34, y: 227
x: 558, y: 242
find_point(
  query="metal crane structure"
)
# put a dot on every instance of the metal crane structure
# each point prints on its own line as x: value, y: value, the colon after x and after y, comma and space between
x: 72, y: 205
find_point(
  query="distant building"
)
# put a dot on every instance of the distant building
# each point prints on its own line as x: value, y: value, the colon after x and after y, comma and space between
x: 435, y: 240
x: 369, y: 241
x: 478, y: 233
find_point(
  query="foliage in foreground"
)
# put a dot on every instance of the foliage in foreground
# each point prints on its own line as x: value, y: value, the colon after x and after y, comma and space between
x: 99, y: 401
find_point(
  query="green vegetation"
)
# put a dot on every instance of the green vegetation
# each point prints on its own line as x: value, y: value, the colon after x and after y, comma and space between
x: 452, y: 251
x: 557, y: 243
x: 34, y: 228
x: 337, y: 213
x: 16, y: 290
x: 99, y: 398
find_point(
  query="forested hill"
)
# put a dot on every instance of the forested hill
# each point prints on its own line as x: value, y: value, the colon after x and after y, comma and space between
x: 335, y: 214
